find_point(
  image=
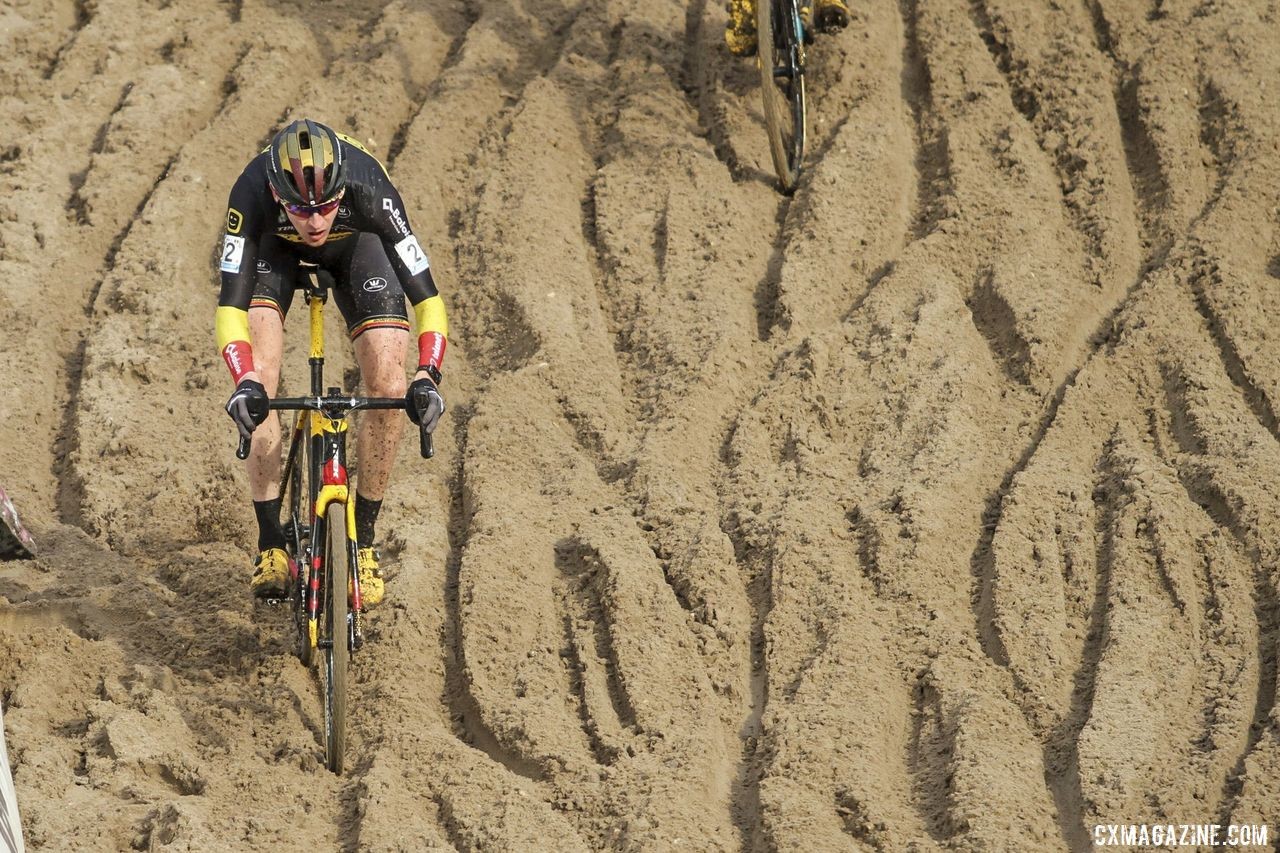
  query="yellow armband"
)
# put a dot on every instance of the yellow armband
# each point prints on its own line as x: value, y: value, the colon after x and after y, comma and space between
x: 232, y: 324
x: 430, y: 316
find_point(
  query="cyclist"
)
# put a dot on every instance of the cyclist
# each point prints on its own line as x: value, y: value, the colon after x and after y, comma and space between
x: 832, y: 16
x: 319, y: 196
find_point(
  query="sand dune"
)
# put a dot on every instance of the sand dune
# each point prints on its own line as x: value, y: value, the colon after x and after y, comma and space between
x: 934, y: 507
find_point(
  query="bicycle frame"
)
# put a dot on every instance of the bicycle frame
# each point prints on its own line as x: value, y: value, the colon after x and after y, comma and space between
x: 327, y: 431
x: 321, y: 420
x: 327, y: 478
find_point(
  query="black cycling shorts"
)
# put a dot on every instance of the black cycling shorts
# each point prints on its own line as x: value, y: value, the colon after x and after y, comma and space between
x: 365, y: 286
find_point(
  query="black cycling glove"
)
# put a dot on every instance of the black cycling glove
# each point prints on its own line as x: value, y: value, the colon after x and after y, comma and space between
x: 425, y: 403
x: 248, y: 406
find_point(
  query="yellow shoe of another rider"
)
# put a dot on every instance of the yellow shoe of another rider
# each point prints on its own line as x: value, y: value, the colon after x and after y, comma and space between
x: 371, y: 586
x: 740, y: 32
x: 833, y: 16
x: 271, y: 574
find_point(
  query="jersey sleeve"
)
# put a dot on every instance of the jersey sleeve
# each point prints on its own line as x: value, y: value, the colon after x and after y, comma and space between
x: 414, y: 270
x: 237, y: 262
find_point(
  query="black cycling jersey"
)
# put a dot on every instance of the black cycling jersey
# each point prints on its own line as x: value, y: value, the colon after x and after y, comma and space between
x: 371, y: 204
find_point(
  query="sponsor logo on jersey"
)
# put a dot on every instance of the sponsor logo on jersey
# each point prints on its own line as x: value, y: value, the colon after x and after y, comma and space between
x: 234, y: 220
x: 234, y: 360
x: 375, y: 284
x: 437, y: 349
x: 263, y: 266
x: 344, y: 212
x: 396, y: 216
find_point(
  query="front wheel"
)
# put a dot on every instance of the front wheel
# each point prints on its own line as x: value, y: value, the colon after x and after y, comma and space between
x: 781, y: 60
x: 298, y: 508
x: 335, y: 635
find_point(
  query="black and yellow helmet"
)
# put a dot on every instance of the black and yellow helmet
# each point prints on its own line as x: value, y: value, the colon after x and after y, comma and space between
x: 305, y: 165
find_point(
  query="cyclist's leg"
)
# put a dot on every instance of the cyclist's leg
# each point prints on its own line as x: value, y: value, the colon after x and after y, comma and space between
x: 273, y: 291
x: 381, y: 355
x: 369, y: 294
x: 371, y: 298
x: 266, y: 329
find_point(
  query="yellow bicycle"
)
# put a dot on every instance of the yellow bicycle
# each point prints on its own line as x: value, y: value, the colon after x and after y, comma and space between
x: 320, y: 528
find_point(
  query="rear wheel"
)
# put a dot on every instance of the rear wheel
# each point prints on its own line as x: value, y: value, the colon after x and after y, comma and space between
x: 334, y: 635
x: 781, y: 49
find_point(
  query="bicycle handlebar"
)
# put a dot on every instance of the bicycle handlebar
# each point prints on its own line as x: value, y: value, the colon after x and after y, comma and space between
x: 331, y: 405
x: 337, y: 403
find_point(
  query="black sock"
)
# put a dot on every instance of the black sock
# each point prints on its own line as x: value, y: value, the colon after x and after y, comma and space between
x: 366, y: 518
x: 270, y: 534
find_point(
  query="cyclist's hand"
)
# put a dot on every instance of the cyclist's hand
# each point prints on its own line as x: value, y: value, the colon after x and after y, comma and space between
x: 248, y: 406
x: 425, y: 403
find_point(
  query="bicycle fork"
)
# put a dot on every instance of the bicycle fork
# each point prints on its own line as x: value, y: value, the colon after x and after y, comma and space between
x: 334, y: 486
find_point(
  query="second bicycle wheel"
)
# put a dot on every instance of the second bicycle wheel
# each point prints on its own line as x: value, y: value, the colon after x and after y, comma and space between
x: 781, y: 61
x: 334, y: 636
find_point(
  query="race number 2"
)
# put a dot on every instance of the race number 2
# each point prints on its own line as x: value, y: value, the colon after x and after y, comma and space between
x: 232, y: 253
x: 412, y: 255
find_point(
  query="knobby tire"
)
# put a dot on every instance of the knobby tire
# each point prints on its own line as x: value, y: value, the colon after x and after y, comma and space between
x: 781, y: 60
x: 299, y: 509
x: 336, y: 651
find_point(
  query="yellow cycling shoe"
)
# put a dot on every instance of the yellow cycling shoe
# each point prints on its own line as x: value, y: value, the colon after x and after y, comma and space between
x: 740, y: 32
x: 740, y: 43
x: 371, y: 586
x: 833, y: 16
x: 271, y: 571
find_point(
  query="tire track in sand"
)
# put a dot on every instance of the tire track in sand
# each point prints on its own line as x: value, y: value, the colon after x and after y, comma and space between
x: 1062, y: 750
x: 1149, y: 182
x: 1194, y: 437
x: 82, y: 15
x: 608, y: 717
x: 932, y: 162
x: 127, y: 128
x: 469, y: 726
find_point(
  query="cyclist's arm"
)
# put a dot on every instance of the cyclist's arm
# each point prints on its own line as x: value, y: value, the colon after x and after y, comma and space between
x: 432, y: 328
x: 431, y: 323
x: 232, y: 328
x: 238, y: 264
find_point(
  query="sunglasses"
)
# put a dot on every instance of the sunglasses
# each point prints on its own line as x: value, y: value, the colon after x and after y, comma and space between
x: 306, y: 211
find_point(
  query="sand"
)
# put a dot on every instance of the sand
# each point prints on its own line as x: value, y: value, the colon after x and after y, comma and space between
x: 935, y: 507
